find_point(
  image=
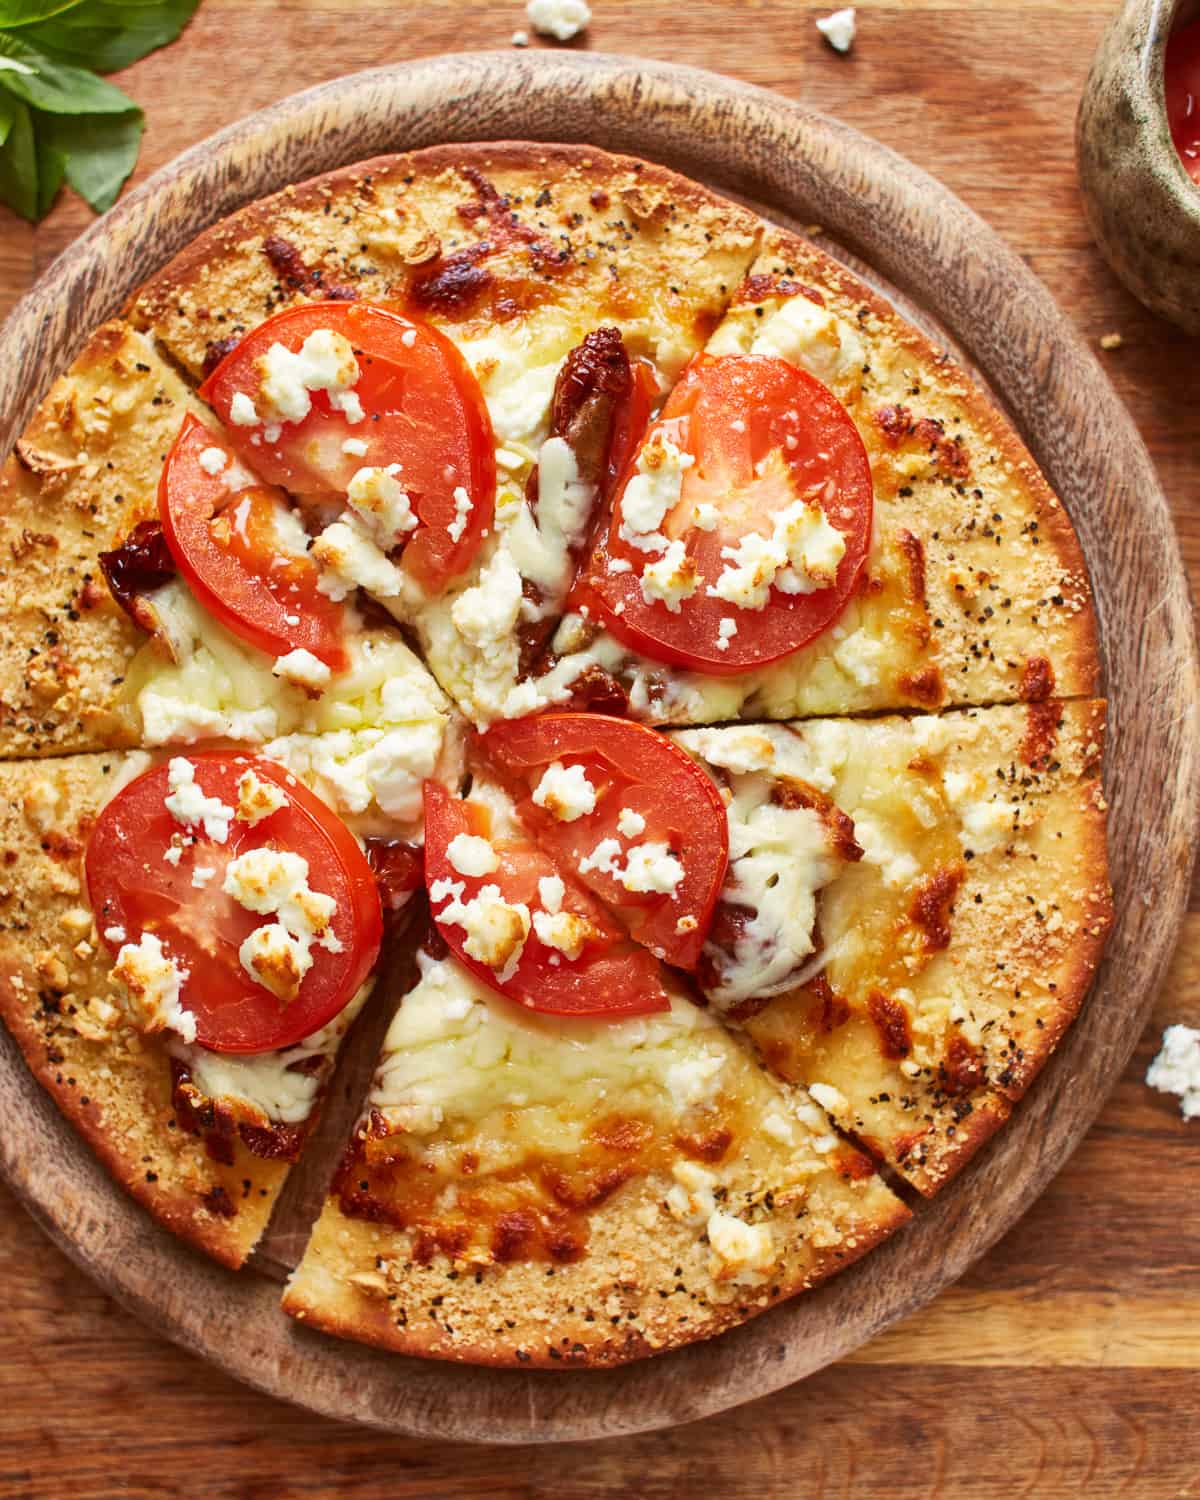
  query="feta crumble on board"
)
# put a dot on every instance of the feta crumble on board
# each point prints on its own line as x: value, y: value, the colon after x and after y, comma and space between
x: 1176, y: 1069
x: 839, y: 29
x: 561, y: 19
x: 212, y: 460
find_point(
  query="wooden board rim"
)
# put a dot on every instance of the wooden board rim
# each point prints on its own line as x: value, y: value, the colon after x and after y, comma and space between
x: 784, y: 156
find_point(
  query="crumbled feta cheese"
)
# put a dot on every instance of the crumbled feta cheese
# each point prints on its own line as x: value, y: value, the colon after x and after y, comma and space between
x: 496, y: 929
x: 565, y: 792
x: 275, y: 882
x: 350, y: 559
x: 705, y: 517
x: 564, y: 930
x: 276, y: 959
x: 355, y: 447
x: 520, y: 39
x: 741, y: 1252
x: 201, y: 875
x: 1176, y: 1069
x: 188, y: 805
x: 648, y: 868
x: 694, y: 1080
x: 651, y: 867
x: 671, y: 579
x: 630, y: 824
x: 463, y: 506
x: 213, y: 460
x: 691, y: 1198
x: 653, y: 492
x: 324, y: 362
x: 619, y: 565
x: 551, y: 891
x: 487, y: 614
x: 258, y: 799
x: 114, y: 934
x: 726, y: 630
x: 149, y: 986
x: 838, y: 29
x: 381, y: 502
x: 472, y: 856
x: 242, y: 411
x: 828, y: 1097
x: 302, y: 668
x: 561, y: 19
x: 800, y: 556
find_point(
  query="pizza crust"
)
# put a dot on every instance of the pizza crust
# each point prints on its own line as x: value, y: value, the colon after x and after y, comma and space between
x: 115, y: 1089
x: 84, y: 472
x: 961, y: 946
x: 648, y: 250
x: 642, y: 1293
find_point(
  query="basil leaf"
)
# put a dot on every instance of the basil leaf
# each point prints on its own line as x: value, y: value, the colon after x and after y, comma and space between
x: 51, y: 169
x: 97, y: 152
x: 57, y: 87
x: 27, y: 12
x: 18, y: 164
x: 8, y: 110
x: 105, y: 35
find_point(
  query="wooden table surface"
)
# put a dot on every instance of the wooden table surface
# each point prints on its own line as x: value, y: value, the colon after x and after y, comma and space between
x: 1068, y: 1360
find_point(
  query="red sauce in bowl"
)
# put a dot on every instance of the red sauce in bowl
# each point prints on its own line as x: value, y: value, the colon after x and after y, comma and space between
x: 1182, y: 81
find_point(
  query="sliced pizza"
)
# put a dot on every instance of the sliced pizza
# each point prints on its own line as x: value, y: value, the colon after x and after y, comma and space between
x: 534, y: 1189
x: 572, y: 284
x: 186, y: 941
x: 913, y: 911
x: 827, y: 517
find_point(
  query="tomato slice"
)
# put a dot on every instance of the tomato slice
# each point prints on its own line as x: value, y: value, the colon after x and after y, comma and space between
x: 135, y: 889
x: 1181, y: 79
x: 608, y: 977
x: 647, y: 793
x: 415, y: 403
x: 230, y: 537
x: 763, y: 438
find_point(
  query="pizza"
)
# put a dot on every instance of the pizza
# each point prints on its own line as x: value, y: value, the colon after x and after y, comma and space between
x: 516, y: 591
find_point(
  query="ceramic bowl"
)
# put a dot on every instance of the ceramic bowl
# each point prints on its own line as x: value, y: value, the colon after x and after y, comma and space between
x: 1143, y: 207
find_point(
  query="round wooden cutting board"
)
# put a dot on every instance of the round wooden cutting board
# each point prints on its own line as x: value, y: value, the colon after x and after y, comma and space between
x: 912, y: 237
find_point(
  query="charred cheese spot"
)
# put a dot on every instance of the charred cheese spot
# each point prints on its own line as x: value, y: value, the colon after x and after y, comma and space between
x: 891, y: 1021
x: 933, y: 904
x: 1037, y: 680
x: 1042, y: 723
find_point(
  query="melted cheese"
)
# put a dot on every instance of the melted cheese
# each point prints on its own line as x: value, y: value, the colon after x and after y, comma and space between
x: 281, y: 1087
x: 779, y: 858
x: 365, y: 744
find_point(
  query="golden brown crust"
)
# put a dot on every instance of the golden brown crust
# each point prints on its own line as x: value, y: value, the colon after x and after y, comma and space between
x: 1016, y: 532
x: 83, y: 473
x: 962, y: 945
x: 614, y: 240
x: 640, y: 1291
x: 115, y: 1089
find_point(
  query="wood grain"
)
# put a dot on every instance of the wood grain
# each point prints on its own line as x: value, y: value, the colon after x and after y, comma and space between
x: 968, y: 91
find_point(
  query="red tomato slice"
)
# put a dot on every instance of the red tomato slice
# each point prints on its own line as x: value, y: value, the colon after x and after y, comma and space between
x: 223, y: 534
x: 609, y: 978
x: 1181, y: 79
x: 134, y: 889
x: 638, y: 776
x: 421, y: 409
x: 762, y: 435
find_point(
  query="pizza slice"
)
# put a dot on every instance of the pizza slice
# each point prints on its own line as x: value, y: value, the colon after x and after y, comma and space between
x: 557, y: 289
x: 531, y: 1188
x: 913, y: 912
x: 84, y: 472
x: 186, y: 942
x: 826, y: 517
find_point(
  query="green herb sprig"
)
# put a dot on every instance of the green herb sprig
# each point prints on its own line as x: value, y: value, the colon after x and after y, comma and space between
x: 59, y: 121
